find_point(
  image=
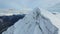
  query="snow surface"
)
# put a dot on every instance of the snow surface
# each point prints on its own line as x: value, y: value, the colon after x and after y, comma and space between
x: 38, y: 21
x: 57, y: 15
x: 53, y: 18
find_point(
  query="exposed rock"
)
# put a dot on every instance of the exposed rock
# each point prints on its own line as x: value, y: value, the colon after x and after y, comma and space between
x: 7, y: 21
x: 33, y: 23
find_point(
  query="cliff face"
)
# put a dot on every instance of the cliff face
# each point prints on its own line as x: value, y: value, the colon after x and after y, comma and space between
x: 7, y: 21
x: 33, y: 23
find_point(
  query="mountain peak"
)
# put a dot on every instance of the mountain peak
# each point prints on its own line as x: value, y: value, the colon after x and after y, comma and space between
x: 33, y: 23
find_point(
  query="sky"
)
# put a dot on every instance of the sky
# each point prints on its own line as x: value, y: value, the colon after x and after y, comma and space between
x: 27, y: 4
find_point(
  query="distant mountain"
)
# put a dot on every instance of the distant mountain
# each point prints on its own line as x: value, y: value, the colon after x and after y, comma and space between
x: 38, y: 21
x: 55, y: 8
x: 9, y: 12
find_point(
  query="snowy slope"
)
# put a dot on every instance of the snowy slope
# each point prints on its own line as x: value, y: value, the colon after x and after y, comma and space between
x: 58, y: 15
x: 38, y: 21
x: 58, y: 23
x: 54, y: 19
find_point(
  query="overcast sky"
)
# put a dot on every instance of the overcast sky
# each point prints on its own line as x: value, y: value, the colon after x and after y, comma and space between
x: 25, y: 4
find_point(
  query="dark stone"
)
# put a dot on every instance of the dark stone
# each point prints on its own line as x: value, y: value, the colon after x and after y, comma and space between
x: 7, y: 21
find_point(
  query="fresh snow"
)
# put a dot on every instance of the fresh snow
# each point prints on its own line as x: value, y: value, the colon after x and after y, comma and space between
x: 57, y: 15
x: 53, y: 18
x: 38, y: 21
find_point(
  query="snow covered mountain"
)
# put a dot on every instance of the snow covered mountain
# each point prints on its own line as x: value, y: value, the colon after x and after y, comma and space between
x: 55, y: 8
x: 38, y: 21
x: 9, y: 12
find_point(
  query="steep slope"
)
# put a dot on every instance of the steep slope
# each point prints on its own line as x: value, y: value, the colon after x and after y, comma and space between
x: 53, y: 18
x: 7, y: 21
x: 36, y: 22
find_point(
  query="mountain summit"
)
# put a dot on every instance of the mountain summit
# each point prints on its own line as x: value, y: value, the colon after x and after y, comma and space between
x: 33, y: 23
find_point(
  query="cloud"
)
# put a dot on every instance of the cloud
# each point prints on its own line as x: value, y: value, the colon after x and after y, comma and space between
x: 20, y: 4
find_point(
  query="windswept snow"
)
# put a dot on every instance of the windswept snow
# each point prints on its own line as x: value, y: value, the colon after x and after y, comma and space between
x: 53, y: 18
x: 57, y: 15
x: 38, y: 21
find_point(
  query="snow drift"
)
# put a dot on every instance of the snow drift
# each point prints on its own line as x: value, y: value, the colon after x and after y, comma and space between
x: 36, y: 22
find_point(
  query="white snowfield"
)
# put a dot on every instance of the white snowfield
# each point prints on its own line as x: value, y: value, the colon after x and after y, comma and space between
x: 38, y: 21
x: 55, y: 19
x: 58, y: 15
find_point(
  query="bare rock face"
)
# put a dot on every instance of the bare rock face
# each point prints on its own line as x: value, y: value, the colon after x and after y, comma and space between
x: 33, y: 23
x: 7, y: 21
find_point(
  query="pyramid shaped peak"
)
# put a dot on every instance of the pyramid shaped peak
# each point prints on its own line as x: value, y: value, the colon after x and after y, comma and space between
x: 33, y: 23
